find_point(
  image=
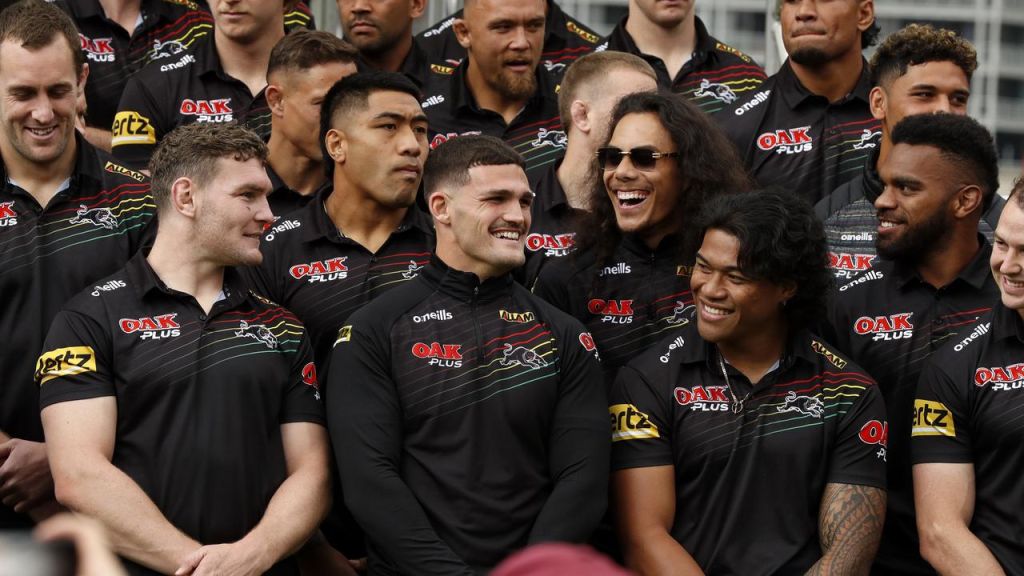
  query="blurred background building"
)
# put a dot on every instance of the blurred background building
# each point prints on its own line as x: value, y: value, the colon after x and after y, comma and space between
x: 996, y: 27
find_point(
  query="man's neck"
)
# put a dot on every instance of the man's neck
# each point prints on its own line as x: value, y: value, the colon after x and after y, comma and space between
x: 391, y: 60
x: 124, y: 12
x: 943, y: 264
x: 360, y: 218
x: 674, y: 46
x: 489, y: 99
x: 884, y: 145
x: 184, y: 270
x: 834, y: 79
x: 757, y: 353
x: 41, y: 181
x: 573, y: 175
x: 247, y: 62
x: 299, y: 172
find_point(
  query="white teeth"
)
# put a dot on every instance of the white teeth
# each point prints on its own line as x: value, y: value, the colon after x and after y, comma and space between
x: 507, y: 235
x: 1013, y: 284
x: 716, y: 311
x: 630, y: 195
x: 40, y: 131
x: 887, y: 224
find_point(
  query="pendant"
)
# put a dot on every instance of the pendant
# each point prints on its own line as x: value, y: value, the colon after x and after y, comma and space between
x: 737, y: 406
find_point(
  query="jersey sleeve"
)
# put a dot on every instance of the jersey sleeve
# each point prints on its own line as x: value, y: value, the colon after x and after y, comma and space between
x: 302, y: 402
x: 640, y: 422
x: 941, y: 409
x: 366, y: 433
x: 138, y: 125
x: 579, y: 448
x: 76, y: 362
x: 859, y: 453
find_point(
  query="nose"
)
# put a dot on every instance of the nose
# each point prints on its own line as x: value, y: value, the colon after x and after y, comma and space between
x: 942, y: 105
x: 520, y: 40
x: 713, y: 287
x: 264, y: 214
x: 886, y: 200
x: 625, y: 171
x: 42, y: 112
x: 360, y: 6
x: 410, y: 143
x: 1011, y: 263
x: 806, y: 10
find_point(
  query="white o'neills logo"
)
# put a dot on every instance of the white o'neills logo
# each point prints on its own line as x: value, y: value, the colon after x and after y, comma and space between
x: 435, y: 315
x: 978, y: 332
x: 321, y: 271
x: 791, y: 141
x: 893, y: 327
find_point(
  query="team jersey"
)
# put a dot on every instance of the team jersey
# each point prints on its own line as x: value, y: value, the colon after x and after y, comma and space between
x: 890, y: 321
x: 553, y: 225
x: 967, y: 411
x: 415, y: 66
x: 195, y: 88
x: 88, y: 230
x: 797, y: 140
x: 629, y: 302
x: 565, y: 40
x: 715, y: 78
x: 749, y: 486
x: 200, y: 397
x: 536, y: 132
x: 468, y: 421
x: 283, y: 200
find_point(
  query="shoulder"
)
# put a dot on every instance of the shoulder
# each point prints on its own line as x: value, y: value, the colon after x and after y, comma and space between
x: 733, y: 55
x: 385, y: 310
x: 847, y: 193
x: 106, y: 294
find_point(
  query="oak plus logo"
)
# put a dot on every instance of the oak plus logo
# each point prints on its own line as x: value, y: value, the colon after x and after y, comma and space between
x: 437, y: 354
x: 151, y: 327
x: 892, y: 327
x: 846, y: 265
x: 875, y: 433
x: 1001, y: 378
x: 218, y: 110
x: 97, y: 49
x: 787, y: 141
x: 309, y: 379
x: 8, y: 217
x: 612, y: 311
x: 587, y: 341
x: 553, y: 245
x: 702, y: 398
x: 321, y: 270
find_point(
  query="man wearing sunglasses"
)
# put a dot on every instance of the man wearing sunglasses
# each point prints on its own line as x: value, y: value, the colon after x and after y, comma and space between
x: 628, y: 282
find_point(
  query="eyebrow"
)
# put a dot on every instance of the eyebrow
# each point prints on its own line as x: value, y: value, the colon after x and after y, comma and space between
x: 506, y: 192
x: 396, y: 116
x: 908, y: 181
x: 701, y: 258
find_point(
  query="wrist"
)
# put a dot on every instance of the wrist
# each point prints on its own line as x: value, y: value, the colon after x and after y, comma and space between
x: 258, y: 550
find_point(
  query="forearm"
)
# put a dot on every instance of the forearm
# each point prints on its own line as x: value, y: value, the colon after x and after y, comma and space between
x: 293, y: 514
x: 98, y: 137
x: 657, y: 553
x: 850, y: 522
x: 954, y: 549
x: 138, y: 530
x: 4, y: 437
x: 579, y: 498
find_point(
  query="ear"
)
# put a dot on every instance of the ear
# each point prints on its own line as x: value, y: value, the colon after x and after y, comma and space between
x: 968, y: 199
x: 183, y: 196
x: 580, y: 114
x: 416, y: 8
x: 461, y: 32
x: 878, y: 101
x: 865, y: 15
x: 83, y: 76
x: 788, y: 290
x: 337, y: 145
x: 439, y: 207
x: 275, y: 99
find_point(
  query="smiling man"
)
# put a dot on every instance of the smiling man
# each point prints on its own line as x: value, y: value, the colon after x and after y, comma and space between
x: 930, y: 286
x: 465, y: 412
x: 500, y: 89
x: 181, y: 408
x: 745, y: 444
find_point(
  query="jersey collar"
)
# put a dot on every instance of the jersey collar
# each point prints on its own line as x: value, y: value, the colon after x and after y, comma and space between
x: 553, y: 197
x: 703, y: 47
x: 86, y: 175
x: 794, y: 93
x: 798, y: 348
x: 872, y: 181
x: 464, y: 286
x: 145, y: 280
x: 322, y: 227
x: 975, y: 274
x: 465, y: 101
x: 1007, y: 323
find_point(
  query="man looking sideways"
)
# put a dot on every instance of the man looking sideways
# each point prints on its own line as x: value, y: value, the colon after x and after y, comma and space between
x: 465, y: 412
x: 744, y: 444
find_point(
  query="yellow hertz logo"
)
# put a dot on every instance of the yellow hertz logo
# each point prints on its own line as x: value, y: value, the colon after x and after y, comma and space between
x: 132, y: 128
x: 828, y: 354
x: 731, y: 50
x: 628, y: 423
x: 932, y: 419
x: 118, y: 169
x: 344, y: 335
x: 65, y: 362
x: 437, y: 68
x: 516, y: 317
x: 592, y: 38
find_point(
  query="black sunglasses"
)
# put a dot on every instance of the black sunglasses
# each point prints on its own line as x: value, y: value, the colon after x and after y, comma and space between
x: 642, y: 158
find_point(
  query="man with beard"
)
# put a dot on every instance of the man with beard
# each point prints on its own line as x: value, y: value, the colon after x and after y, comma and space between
x: 590, y: 89
x: 466, y: 413
x: 688, y: 60
x: 916, y: 70
x: 500, y: 90
x: 939, y: 177
x: 303, y: 67
x: 809, y: 127
x: 382, y: 32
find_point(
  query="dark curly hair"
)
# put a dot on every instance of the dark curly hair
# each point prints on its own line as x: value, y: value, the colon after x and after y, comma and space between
x: 781, y: 241
x: 708, y: 165
x: 918, y: 44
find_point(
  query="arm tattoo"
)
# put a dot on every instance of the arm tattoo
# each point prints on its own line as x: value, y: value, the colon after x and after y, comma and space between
x: 850, y: 523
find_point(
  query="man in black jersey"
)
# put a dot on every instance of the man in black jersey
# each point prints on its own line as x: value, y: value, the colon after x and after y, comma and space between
x: 69, y: 215
x: 928, y: 288
x: 590, y: 89
x: 181, y: 408
x: 382, y: 32
x: 465, y: 412
x: 628, y: 280
x: 745, y: 444
x: 688, y: 60
x: 809, y: 127
x: 916, y: 70
x: 303, y: 67
x: 967, y: 433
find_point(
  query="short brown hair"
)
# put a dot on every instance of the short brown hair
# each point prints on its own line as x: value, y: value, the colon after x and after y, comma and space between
x: 918, y: 44
x: 590, y: 68
x: 35, y: 23
x: 1017, y: 192
x: 303, y: 49
x: 192, y: 151
x: 449, y: 163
